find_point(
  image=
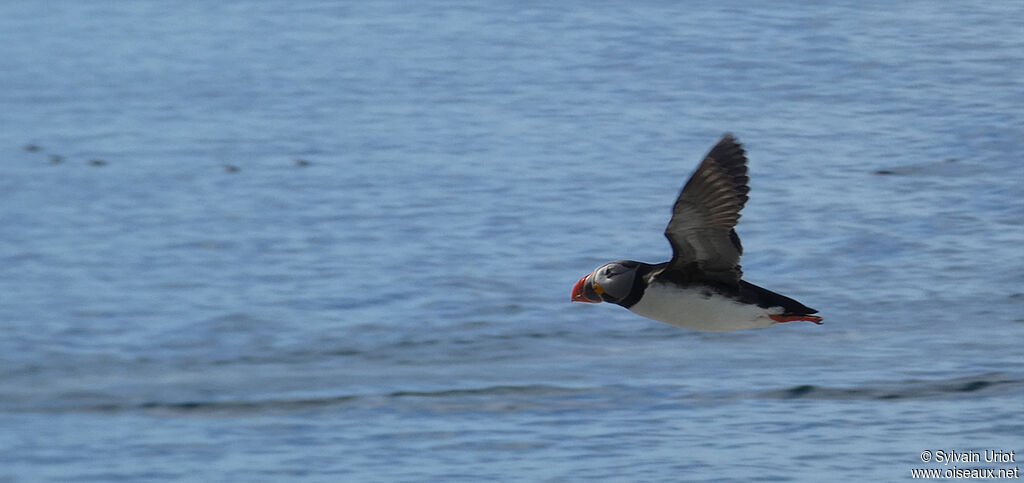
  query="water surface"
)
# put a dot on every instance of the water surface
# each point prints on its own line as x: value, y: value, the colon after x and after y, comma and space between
x: 182, y: 299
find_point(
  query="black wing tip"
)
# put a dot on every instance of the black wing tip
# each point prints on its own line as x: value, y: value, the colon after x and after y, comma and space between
x: 730, y: 158
x: 728, y: 139
x: 729, y: 154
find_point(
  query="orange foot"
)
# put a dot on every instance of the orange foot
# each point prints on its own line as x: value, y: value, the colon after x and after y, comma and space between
x: 793, y: 318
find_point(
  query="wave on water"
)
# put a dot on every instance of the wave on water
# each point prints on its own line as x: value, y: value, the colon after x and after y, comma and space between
x: 987, y: 384
x: 510, y: 398
x: 518, y: 395
x: 945, y: 167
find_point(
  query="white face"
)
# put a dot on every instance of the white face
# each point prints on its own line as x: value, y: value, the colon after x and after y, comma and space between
x: 614, y: 281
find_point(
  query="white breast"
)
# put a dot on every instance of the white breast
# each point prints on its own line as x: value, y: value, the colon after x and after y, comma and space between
x: 693, y: 308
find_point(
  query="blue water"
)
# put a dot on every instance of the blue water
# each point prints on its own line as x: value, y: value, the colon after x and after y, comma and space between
x: 181, y: 299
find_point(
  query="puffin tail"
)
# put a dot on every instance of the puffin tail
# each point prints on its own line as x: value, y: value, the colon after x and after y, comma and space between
x: 791, y: 309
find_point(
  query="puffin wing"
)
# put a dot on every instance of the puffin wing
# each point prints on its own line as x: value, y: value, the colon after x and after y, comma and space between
x: 701, y: 229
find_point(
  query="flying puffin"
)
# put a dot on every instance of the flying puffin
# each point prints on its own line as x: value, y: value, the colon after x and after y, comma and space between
x: 700, y: 287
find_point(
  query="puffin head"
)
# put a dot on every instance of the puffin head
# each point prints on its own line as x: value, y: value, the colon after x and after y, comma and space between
x: 611, y: 282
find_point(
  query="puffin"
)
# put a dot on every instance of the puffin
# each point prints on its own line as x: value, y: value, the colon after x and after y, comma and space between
x: 702, y: 286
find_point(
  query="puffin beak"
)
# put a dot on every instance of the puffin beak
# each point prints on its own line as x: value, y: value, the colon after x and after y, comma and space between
x: 579, y: 291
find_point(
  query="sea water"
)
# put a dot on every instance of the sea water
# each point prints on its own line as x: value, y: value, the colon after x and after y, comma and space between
x: 256, y: 241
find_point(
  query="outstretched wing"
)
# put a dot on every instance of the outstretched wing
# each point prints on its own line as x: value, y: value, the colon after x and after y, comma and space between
x: 701, y: 229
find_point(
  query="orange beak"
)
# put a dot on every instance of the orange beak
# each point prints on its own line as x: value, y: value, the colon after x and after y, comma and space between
x: 579, y: 291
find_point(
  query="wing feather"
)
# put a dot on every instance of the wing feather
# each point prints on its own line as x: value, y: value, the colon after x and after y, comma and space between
x: 701, y: 230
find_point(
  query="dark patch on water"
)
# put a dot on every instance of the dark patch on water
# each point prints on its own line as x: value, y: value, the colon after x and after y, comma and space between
x: 947, y: 167
x: 974, y: 386
x: 912, y: 389
x: 536, y: 389
x: 800, y: 391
